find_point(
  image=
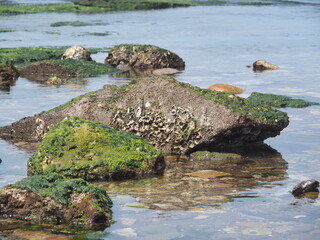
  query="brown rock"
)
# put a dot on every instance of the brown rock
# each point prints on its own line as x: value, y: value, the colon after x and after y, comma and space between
x: 8, y: 76
x: 221, y: 87
x: 143, y: 57
x: 260, y: 66
x: 173, y: 116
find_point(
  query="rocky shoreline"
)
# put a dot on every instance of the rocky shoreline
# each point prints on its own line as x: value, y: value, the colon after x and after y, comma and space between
x: 118, y: 133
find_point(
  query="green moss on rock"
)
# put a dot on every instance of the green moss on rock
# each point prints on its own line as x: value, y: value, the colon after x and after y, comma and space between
x: 59, y: 188
x: 23, y: 56
x: 259, y: 112
x: 279, y: 101
x: 81, y: 148
x: 85, y: 68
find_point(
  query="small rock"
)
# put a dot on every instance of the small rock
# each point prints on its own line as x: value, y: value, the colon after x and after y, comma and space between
x: 165, y: 71
x: 260, y: 66
x: 221, y: 87
x: 55, y: 81
x: 77, y: 53
x: 305, y: 186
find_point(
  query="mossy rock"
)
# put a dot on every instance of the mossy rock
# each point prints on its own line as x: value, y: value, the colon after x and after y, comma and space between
x: 65, y: 68
x: 24, y: 56
x: 279, y: 101
x: 77, y: 147
x: 55, y: 199
x: 141, y: 56
x: 133, y: 4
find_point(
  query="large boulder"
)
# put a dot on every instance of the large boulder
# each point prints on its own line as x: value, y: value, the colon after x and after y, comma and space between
x: 173, y: 116
x: 54, y: 199
x: 79, y: 147
x: 143, y: 57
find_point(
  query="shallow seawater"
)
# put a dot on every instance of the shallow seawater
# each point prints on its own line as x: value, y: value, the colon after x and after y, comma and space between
x: 251, y: 199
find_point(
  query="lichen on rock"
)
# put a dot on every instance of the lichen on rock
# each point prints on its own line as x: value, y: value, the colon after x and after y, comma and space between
x: 143, y: 57
x: 78, y: 147
x: 55, y: 199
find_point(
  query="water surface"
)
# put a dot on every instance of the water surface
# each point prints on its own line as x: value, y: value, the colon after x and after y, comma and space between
x: 216, y: 42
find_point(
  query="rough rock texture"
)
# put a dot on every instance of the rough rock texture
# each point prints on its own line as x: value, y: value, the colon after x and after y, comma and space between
x: 54, y: 199
x: 260, y: 66
x: 222, y: 87
x: 68, y: 68
x: 77, y: 53
x: 132, y: 4
x: 45, y: 69
x: 78, y: 147
x: 305, y: 186
x: 143, y: 57
x: 8, y: 75
x: 173, y: 116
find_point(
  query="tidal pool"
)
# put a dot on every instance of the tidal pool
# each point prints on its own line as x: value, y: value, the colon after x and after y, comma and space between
x: 245, y: 198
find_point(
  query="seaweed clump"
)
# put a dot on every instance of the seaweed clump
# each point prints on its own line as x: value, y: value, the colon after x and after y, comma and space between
x: 78, y: 147
x: 55, y: 199
x: 279, y: 101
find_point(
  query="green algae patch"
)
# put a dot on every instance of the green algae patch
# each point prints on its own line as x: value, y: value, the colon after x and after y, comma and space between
x: 85, y: 68
x: 214, y: 156
x: 126, y: 5
x: 27, y: 55
x: 23, y: 56
x: 279, y: 101
x: 59, y: 188
x: 39, y: 8
x: 81, y: 148
x: 259, y: 112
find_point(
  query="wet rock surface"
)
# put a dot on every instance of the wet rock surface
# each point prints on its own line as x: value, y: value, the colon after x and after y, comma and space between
x: 222, y: 87
x: 52, y: 198
x: 204, y: 180
x: 261, y: 65
x: 305, y: 187
x: 174, y: 117
x: 8, y: 76
x: 81, y: 148
x: 143, y: 57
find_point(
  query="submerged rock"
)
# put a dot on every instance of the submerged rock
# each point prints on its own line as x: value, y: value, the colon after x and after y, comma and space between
x: 221, y: 87
x: 165, y: 71
x: 305, y: 186
x: 279, y: 101
x: 143, y: 57
x: 54, y: 199
x: 260, y: 66
x: 82, y: 148
x: 77, y: 53
x: 173, y: 116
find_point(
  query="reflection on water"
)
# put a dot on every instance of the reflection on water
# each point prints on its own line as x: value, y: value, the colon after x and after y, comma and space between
x: 204, y: 181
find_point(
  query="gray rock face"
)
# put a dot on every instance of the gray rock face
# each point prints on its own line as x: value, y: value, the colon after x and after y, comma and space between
x: 143, y: 57
x: 77, y: 53
x: 173, y: 116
